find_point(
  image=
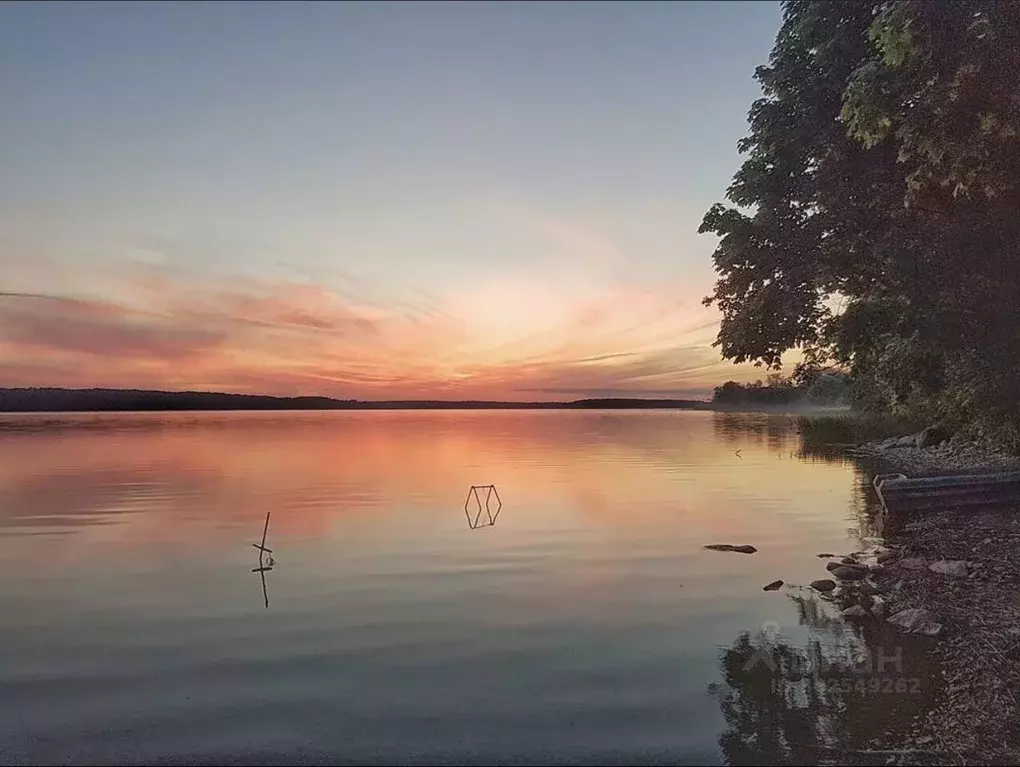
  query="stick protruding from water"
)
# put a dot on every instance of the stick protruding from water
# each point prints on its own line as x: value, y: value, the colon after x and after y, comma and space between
x: 265, y: 530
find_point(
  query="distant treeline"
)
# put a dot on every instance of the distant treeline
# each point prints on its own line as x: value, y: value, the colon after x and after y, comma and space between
x: 809, y: 387
x: 97, y: 400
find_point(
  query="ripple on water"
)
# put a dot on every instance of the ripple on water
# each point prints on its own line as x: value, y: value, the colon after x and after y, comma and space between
x: 584, y: 626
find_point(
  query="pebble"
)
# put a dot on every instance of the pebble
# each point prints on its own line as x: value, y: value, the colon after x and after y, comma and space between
x: 916, y: 620
x: 950, y: 567
x: 913, y: 563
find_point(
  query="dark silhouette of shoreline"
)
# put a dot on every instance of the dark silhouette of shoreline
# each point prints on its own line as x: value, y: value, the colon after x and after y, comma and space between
x: 55, y: 400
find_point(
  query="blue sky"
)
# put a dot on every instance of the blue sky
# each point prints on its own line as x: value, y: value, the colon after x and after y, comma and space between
x: 483, y: 178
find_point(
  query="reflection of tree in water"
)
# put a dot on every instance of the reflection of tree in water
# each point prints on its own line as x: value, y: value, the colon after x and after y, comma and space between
x: 825, y: 702
x: 780, y: 433
x: 759, y: 428
x: 866, y: 508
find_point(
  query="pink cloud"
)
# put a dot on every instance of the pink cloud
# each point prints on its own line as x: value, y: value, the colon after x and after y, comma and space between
x: 166, y: 330
x: 50, y: 323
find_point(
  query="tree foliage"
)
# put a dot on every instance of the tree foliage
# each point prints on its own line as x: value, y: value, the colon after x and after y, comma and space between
x: 816, y: 387
x: 875, y: 221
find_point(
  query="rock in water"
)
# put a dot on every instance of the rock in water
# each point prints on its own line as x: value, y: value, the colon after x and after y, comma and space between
x: 741, y: 549
x: 916, y: 620
x: 825, y: 556
x: 849, y: 573
x: 849, y: 561
x: 823, y: 585
x: 774, y: 586
x: 833, y: 566
x: 952, y: 567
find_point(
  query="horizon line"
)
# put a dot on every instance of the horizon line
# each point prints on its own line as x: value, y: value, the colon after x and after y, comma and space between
x: 285, y: 397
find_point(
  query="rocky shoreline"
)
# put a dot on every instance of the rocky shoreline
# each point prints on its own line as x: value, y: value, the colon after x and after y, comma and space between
x: 954, y: 576
x: 925, y: 454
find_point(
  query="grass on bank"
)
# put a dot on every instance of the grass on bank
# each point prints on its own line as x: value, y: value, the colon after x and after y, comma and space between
x: 853, y: 428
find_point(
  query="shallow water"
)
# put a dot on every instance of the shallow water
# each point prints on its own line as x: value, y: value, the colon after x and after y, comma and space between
x: 587, y: 624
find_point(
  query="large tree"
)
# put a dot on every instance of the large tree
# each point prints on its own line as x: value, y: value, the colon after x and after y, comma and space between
x: 875, y: 221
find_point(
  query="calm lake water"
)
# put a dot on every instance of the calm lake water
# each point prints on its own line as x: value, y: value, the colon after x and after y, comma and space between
x: 587, y: 624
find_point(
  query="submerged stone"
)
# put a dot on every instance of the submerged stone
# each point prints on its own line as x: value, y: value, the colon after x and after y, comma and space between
x: 740, y: 549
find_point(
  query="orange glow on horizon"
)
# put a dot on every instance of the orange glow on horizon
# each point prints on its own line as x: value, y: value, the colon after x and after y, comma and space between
x: 511, y: 341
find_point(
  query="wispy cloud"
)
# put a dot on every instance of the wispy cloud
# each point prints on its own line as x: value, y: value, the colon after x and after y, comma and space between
x: 315, y: 329
x: 291, y: 337
x: 41, y: 323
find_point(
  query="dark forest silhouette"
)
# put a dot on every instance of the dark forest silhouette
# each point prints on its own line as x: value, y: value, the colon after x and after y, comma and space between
x: 93, y: 400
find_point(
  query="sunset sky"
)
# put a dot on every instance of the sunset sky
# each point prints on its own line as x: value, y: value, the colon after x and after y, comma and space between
x: 370, y: 200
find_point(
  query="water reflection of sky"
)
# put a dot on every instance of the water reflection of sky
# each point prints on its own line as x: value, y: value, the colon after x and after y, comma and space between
x: 591, y: 603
